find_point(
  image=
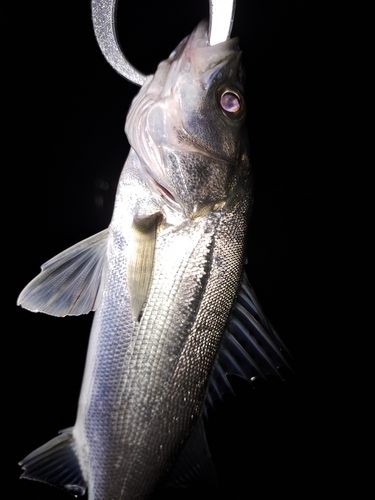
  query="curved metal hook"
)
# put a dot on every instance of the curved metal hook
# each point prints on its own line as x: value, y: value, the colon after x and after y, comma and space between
x: 104, y: 21
x: 221, y: 20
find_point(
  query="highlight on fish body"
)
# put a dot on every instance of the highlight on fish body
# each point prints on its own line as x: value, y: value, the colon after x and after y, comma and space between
x: 175, y: 313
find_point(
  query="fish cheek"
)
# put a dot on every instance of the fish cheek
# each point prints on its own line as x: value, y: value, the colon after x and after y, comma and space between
x: 212, y: 131
x: 201, y: 183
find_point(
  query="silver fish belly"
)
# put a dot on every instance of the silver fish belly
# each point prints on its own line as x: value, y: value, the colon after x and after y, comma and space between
x: 163, y: 279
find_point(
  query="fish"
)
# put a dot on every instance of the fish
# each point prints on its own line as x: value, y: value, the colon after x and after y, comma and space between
x: 175, y: 313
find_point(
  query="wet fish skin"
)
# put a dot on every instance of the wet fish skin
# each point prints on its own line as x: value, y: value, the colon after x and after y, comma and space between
x: 162, y: 381
x: 170, y: 264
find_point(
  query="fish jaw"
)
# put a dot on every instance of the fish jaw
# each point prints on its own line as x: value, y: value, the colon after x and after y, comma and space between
x: 192, y: 151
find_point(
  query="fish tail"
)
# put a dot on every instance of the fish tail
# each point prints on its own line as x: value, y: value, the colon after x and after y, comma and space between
x: 57, y: 464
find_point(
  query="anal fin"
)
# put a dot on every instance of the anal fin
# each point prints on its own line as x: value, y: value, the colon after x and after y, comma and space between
x: 57, y: 464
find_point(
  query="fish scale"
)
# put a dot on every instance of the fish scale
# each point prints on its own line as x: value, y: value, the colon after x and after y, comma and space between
x: 191, y: 358
x: 146, y: 364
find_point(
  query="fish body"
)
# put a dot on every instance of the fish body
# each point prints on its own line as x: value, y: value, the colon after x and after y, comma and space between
x: 163, y: 279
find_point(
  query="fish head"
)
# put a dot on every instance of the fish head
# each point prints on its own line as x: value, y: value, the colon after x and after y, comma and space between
x: 187, y: 126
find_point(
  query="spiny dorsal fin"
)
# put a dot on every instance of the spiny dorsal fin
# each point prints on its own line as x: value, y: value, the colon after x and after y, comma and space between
x: 141, y: 260
x: 250, y: 348
x: 56, y: 463
x: 69, y: 284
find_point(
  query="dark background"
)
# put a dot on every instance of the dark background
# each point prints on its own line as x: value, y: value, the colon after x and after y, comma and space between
x: 64, y: 109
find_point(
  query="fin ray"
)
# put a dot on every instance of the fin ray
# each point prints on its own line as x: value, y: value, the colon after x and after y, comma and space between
x: 194, y: 466
x: 250, y: 347
x: 70, y: 282
x: 57, y: 464
x: 141, y: 261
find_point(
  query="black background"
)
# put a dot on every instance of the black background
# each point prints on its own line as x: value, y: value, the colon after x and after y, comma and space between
x: 64, y: 108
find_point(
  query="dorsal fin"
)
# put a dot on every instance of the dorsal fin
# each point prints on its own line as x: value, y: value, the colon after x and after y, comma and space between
x: 250, y: 347
x: 69, y: 284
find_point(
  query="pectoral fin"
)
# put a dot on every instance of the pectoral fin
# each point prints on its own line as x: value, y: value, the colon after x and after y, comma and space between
x: 141, y: 260
x: 69, y: 284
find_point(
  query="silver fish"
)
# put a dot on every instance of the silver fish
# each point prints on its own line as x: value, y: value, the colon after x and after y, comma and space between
x: 174, y: 310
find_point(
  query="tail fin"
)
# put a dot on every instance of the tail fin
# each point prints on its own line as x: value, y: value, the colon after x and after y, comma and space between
x: 56, y: 463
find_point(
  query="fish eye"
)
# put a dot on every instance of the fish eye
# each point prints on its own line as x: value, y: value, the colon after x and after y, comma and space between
x: 230, y: 101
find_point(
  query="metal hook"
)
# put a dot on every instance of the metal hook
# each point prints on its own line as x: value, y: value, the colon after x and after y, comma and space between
x: 104, y: 21
x: 103, y: 14
x: 221, y: 20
